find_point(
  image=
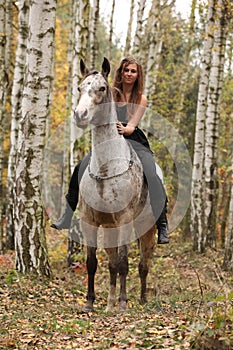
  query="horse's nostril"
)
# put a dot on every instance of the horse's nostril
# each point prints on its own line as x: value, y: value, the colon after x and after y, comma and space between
x: 84, y: 114
x: 81, y: 114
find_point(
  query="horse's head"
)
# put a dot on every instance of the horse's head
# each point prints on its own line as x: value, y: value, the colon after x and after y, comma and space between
x: 94, y: 91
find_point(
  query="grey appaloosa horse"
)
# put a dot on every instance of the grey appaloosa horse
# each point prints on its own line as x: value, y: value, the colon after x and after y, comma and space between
x: 113, y: 194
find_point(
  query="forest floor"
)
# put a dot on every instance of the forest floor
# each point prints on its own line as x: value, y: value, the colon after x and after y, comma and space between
x: 190, y: 301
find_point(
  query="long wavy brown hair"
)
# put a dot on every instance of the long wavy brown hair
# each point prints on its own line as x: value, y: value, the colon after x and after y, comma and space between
x: 117, y: 86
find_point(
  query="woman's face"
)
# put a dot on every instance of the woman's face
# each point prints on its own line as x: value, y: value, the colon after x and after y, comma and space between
x: 130, y: 74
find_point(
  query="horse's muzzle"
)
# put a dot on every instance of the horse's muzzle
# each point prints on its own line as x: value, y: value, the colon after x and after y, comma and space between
x: 81, y: 118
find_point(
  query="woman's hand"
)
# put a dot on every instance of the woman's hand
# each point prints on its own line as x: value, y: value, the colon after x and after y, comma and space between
x: 120, y: 128
x: 125, y: 130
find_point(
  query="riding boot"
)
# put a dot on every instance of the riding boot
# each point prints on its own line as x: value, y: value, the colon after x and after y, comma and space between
x: 162, y: 227
x: 72, y: 196
x: 65, y: 221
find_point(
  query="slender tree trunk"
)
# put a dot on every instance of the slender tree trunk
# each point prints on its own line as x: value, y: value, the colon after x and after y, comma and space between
x: 93, y: 33
x: 82, y: 8
x: 186, y: 71
x: 139, y: 29
x: 127, y: 49
x: 30, y: 241
x: 197, y: 227
x: 111, y: 30
x: 228, y: 253
x: 81, y: 37
x: 3, y: 82
x: 16, y: 101
x: 212, y: 123
x: 155, y: 47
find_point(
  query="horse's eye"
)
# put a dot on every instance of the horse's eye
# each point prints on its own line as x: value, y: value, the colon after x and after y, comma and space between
x: 79, y: 90
x: 102, y: 88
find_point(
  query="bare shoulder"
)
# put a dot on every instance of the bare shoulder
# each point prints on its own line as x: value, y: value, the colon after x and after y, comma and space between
x: 143, y: 101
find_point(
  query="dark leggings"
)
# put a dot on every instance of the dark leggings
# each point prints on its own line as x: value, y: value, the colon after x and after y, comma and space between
x: 156, y: 189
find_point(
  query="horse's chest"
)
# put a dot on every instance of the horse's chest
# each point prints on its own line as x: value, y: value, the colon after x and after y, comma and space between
x: 112, y: 195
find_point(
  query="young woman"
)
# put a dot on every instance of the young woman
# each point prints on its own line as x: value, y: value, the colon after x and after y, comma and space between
x: 130, y: 106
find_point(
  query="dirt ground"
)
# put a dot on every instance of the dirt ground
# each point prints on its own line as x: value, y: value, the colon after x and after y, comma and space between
x: 190, y: 301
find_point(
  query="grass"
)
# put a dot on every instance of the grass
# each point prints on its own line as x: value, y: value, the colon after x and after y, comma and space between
x: 189, y: 303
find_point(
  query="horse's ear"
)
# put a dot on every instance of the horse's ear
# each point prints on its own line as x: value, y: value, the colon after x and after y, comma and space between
x: 84, y: 70
x: 105, y: 67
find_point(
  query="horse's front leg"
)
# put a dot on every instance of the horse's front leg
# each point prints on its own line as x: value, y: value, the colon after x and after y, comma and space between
x: 113, y: 270
x: 147, y: 243
x: 123, y: 272
x: 91, y: 264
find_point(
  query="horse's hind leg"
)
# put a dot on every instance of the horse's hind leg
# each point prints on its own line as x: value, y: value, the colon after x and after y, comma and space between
x: 123, y: 272
x: 113, y: 270
x: 147, y: 243
x: 91, y: 269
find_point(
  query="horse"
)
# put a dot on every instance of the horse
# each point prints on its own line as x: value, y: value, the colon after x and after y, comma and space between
x: 113, y: 193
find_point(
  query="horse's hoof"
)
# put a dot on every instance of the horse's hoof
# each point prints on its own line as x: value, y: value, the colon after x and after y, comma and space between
x: 85, y: 310
x: 88, y: 307
x: 143, y: 301
x: 109, y: 309
x: 122, y: 307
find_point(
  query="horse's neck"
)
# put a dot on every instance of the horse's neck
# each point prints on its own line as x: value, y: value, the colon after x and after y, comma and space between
x: 110, y: 151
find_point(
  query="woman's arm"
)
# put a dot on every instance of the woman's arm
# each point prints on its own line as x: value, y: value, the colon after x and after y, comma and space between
x: 134, y: 119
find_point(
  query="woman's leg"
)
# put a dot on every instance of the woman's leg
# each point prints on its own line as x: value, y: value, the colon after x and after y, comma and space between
x: 158, y: 198
x: 72, y: 196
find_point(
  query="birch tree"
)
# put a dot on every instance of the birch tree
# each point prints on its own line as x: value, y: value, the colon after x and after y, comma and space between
x: 3, y: 82
x: 139, y: 28
x: 81, y: 40
x: 93, y: 32
x: 186, y: 70
x: 197, y: 227
x: 30, y: 242
x: 16, y: 100
x: 212, y: 121
x: 111, y: 30
x: 155, y: 41
x: 127, y: 48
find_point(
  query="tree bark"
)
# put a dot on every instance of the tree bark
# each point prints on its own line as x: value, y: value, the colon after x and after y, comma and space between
x: 81, y: 39
x: 93, y: 33
x: 30, y: 241
x: 3, y: 83
x: 111, y: 30
x: 228, y: 252
x: 16, y: 102
x: 155, y: 43
x: 139, y: 29
x: 212, y: 123
x: 197, y: 227
x: 127, y: 49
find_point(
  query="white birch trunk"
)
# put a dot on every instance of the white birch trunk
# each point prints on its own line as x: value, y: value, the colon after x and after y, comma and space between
x: 186, y: 73
x: 139, y: 28
x: 197, y: 190
x: 155, y: 47
x: 127, y: 49
x: 16, y: 99
x: 3, y: 82
x: 212, y: 123
x: 111, y: 30
x: 93, y: 32
x: 30, y: 241
x: 80, y: 51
